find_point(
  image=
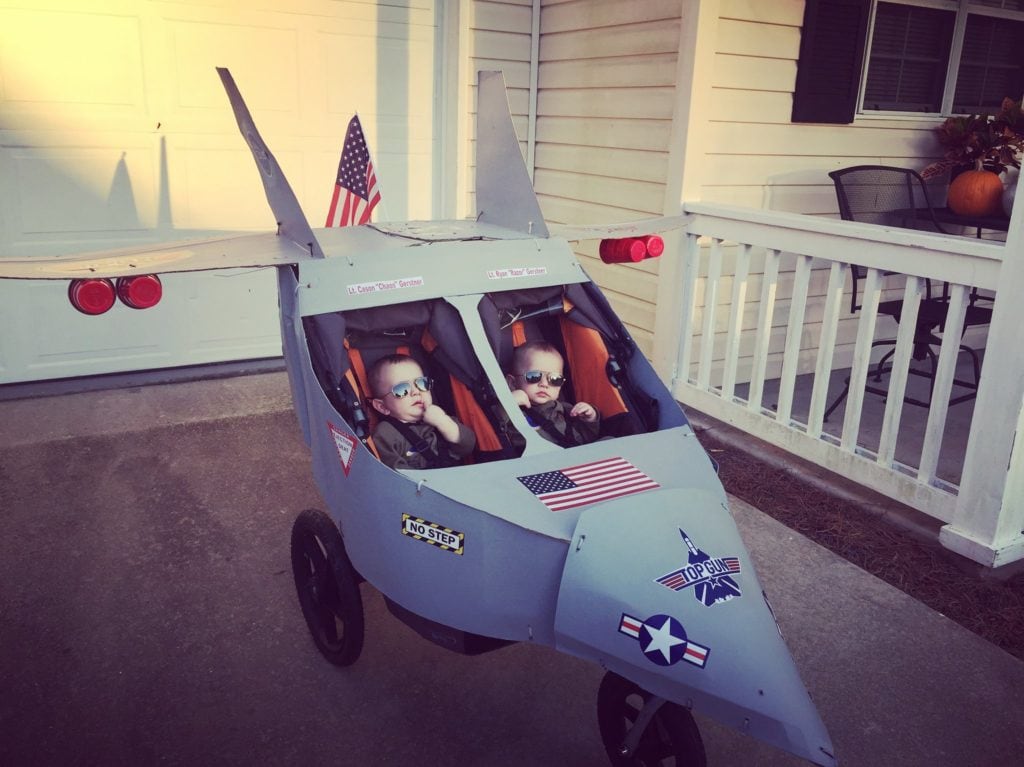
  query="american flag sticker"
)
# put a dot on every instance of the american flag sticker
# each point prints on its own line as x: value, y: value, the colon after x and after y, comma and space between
x: 588, y: 483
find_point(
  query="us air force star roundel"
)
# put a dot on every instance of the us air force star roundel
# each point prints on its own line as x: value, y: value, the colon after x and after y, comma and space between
x: 663, y: 644
x: 663, y: 640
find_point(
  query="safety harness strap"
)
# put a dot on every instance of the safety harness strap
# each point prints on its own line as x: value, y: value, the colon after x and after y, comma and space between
x: 417, y: 444
x: 544, y: 424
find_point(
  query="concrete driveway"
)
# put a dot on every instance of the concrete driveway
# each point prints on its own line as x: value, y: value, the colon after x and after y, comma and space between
x: 148, y: 616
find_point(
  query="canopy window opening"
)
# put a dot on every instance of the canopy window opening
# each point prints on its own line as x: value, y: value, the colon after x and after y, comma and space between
x: 944, y: 57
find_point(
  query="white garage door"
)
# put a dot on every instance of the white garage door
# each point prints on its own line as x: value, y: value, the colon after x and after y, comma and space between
x: 115, y: 130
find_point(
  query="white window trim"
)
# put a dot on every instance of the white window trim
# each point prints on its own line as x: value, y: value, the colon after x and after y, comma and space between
x: 961, y: 8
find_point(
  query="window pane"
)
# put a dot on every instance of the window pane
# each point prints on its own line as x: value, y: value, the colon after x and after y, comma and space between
x: 909, y: 53
x: 1009, y: 5
x: 991, y: 65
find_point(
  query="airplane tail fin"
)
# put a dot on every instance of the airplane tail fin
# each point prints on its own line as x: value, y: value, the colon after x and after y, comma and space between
x: 291, y: 222
x: 504, y: 193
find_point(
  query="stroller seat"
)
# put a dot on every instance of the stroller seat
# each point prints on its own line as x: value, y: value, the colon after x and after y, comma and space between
x: 345, y: 345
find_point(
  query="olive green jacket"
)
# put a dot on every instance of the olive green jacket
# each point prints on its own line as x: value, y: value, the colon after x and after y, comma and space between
x: 554, y: 417
x: 431, y: 452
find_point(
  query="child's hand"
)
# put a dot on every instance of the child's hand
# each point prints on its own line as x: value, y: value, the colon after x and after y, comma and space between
x: 584, y: 411
x: 446, y: 425
x: 521, y: 398
x: 435, y: 416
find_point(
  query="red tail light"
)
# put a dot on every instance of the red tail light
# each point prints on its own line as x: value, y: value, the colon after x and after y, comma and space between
x: 655, y: 245
x: 624, y: 250
x: 631, y: 249
x: 92, y: 296
x: 140, y: 292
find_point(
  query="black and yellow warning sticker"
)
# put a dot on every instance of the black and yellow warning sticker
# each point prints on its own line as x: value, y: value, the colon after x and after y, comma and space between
x: 433, y: 533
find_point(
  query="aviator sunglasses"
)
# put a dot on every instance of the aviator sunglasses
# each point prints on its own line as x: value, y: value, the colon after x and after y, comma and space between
x: 535, y: 376
x: 404, y: 389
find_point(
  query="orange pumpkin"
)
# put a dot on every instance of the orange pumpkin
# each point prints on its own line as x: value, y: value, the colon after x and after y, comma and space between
x: 976, y: 193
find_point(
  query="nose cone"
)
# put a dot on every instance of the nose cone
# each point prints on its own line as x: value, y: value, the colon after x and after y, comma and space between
x: 664, y: 593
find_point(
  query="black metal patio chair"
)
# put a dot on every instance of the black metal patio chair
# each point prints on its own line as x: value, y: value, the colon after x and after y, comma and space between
x: 892, y: 196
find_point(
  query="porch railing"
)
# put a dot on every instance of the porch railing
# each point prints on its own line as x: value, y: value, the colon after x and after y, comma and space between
x: 765, y: 304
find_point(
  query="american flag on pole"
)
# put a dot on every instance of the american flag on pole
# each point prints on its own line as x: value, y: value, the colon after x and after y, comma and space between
x: 356, y: 193
x: 587, y: 483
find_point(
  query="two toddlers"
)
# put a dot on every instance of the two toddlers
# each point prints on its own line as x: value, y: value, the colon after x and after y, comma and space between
x: 415, y: 433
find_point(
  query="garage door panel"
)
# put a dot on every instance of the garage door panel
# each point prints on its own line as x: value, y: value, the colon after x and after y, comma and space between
x: 360, y: 19
x: 405, y: 179
x: 203, y: 317
x: 389, y: 76
x: 85, y: 189
x: 116, y: 131
x: 62, y: 341
x: 233, y: 314
x: 221, y: 188
x: 264, y: 62
x: 77, y: 75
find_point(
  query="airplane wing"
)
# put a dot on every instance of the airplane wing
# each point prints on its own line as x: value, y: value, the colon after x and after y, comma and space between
x: 575, y: 233
x: 245, y: 250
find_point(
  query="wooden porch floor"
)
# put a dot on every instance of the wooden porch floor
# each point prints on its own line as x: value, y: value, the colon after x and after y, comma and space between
x: 912, y: 425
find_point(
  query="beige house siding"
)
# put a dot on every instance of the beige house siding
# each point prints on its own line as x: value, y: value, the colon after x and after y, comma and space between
x: 754, y: 156
x: 606, y: 93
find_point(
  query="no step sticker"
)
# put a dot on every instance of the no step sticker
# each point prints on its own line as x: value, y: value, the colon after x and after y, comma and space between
x: 429, y: 532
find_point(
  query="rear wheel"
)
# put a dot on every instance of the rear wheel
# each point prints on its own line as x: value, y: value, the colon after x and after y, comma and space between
x: 670, y: 738
x: 328, y: 587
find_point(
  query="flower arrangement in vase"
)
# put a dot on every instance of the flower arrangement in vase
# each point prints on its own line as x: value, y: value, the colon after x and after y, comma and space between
x: 983, y: 146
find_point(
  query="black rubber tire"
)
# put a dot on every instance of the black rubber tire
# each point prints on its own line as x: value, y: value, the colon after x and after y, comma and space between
x: 671, y: 738
x: 328, y: 587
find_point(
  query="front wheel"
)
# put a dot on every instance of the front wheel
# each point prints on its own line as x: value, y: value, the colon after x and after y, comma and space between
x: 670, y: 738
x: 328, y: 587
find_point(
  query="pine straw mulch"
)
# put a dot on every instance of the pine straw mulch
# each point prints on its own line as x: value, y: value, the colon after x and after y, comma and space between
x: 991, y: 607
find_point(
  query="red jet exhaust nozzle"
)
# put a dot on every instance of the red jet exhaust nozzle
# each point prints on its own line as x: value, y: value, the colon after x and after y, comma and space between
x: 140, y: 292
x: 92, y: 296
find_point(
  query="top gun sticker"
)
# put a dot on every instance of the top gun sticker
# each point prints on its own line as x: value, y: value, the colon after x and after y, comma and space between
x: 346, y: 445
x: 711, y: 577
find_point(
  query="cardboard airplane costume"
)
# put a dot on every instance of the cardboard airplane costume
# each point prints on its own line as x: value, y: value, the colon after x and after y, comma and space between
x: 621, y: 551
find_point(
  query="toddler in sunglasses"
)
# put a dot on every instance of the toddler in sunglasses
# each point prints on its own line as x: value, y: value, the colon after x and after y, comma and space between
x: 535, y: 386
x: 414, y: 433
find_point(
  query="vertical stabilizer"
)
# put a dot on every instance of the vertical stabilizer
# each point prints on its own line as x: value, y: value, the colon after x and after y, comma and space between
x: 291, y: 222
x: 504, y: 193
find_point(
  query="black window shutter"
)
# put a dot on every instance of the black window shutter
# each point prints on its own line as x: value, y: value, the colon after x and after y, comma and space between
x: 831, y: 54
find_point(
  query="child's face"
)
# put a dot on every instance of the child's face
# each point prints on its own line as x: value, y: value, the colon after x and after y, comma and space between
x: 542, y: 391
x: 409, y: 408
